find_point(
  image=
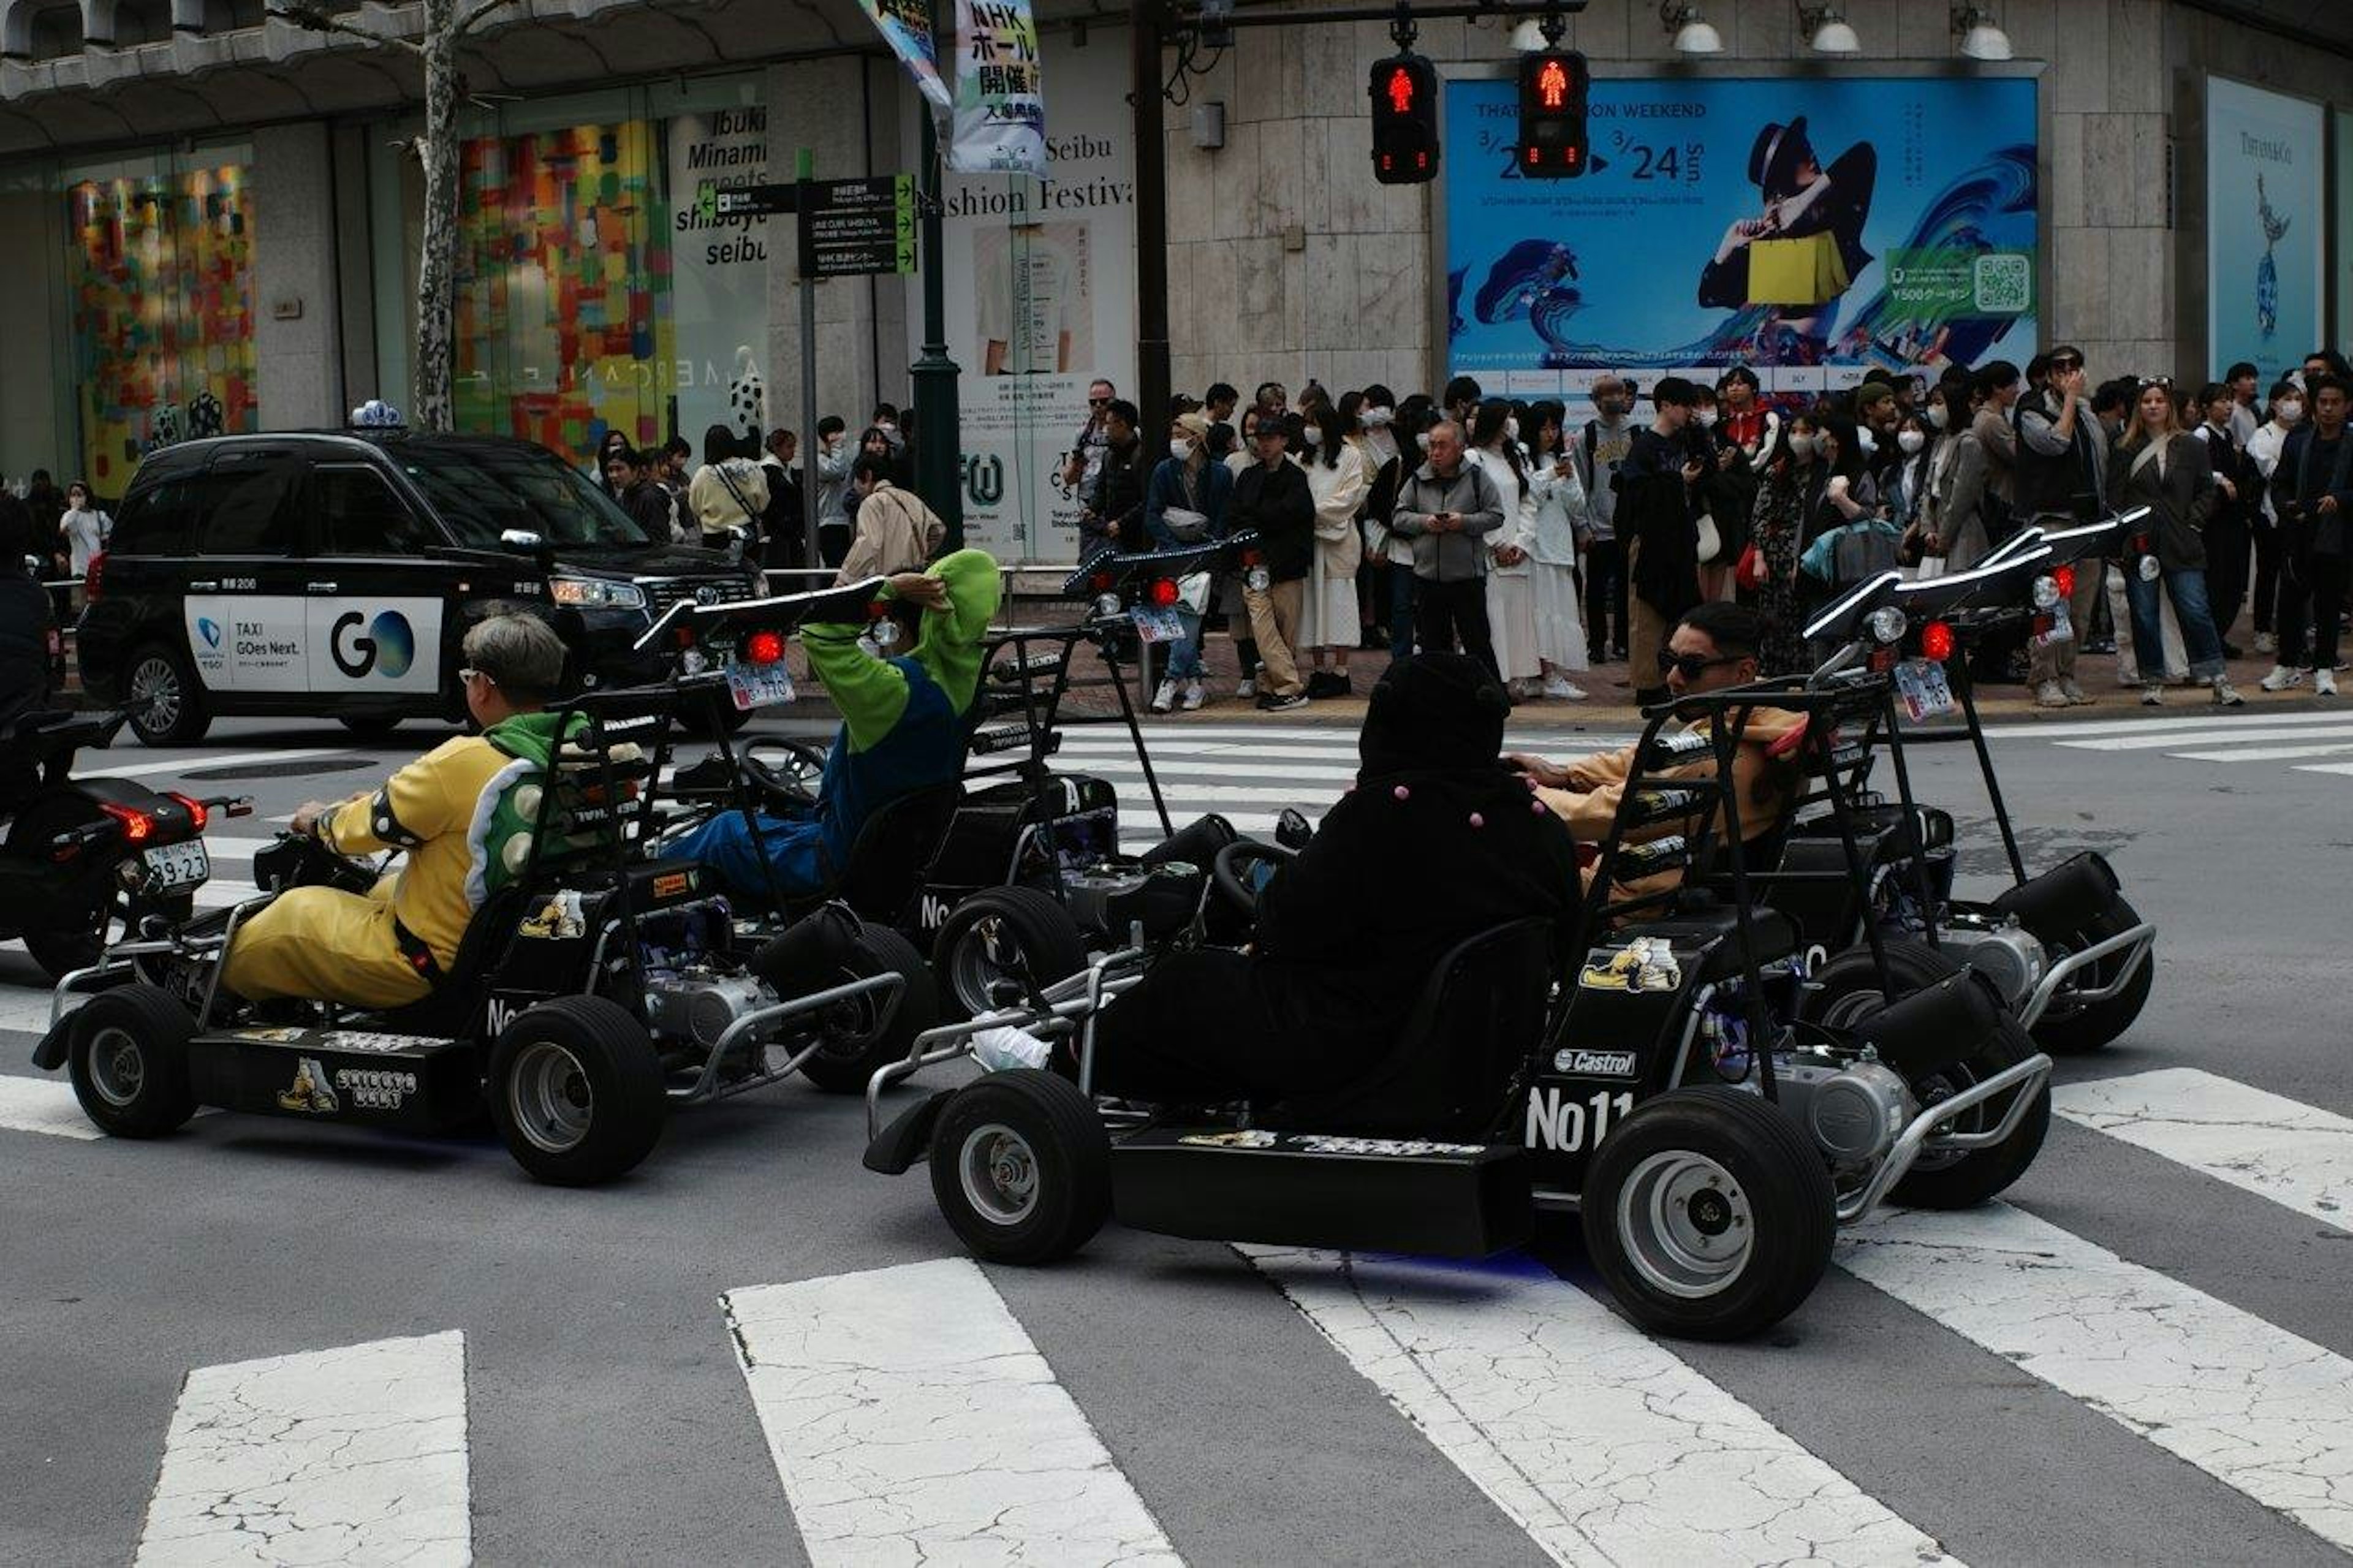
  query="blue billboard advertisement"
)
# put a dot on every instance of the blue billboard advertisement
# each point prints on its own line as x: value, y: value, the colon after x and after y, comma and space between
x: 2265, y: 227
x: 1814, y: 230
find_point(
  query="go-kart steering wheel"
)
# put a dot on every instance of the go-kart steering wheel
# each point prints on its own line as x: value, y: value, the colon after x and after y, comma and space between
x: 792, y: 777
x: 1231, y: 872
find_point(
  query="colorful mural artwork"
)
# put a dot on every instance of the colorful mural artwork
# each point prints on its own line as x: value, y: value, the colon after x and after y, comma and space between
x: 563, y: 283
x: 163, y: 313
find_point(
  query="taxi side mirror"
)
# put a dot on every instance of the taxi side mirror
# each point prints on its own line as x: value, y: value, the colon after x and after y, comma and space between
x: 523, y: 542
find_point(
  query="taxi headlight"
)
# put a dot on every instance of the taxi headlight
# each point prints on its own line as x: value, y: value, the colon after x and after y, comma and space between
x: 595, y: 593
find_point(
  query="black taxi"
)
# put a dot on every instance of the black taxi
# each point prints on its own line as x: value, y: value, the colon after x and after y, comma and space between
x: 336, y: 572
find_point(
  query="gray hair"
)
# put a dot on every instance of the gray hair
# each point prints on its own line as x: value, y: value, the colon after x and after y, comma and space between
x: 1454, y: 425
x: 518, y: 651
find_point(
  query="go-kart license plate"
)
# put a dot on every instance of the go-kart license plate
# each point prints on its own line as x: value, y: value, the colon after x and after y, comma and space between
x: 758, y: 685
x: 171, y: 866
x: 1922, y: 685
x: 1158, y: 625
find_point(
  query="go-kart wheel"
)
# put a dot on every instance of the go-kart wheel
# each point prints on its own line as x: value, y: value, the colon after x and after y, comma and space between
x: 1001, y: 934
x: 130, y: 1061
x: 854, y: 1037
x: 1231, y: 872
x: 1709, y: 1214
x: 576, y: 1090
x: 166, y: 704
x: 1021, y: 1167
x: 1951, y: 1179
x: 2087, y: 1026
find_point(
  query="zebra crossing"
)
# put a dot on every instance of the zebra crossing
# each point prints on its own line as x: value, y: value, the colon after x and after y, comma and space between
x: 911, y: 1416
x: 2304, y: 742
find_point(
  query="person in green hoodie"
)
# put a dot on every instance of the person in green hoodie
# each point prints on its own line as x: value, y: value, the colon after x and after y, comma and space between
x: 905, y: 723
x: 458, y: 811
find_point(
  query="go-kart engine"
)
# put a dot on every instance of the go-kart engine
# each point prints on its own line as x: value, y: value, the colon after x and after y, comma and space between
x: 697, y: 1004
x: 2007, y: 954
x: 1854, y: 1113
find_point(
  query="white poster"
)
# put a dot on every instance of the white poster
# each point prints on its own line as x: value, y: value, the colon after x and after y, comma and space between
x: 1000, y: 118
x: 719, y: 271
x: 1040, y: 303
x: 2265, y: 243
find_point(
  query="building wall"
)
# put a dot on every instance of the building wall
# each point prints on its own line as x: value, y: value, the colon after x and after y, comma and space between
x: 297, y: 326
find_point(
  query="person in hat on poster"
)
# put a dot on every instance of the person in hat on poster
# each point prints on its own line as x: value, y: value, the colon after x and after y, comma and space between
x: 1802, y: 253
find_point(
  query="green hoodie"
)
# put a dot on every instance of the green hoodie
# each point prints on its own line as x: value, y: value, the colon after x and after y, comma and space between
x: 500, y: 838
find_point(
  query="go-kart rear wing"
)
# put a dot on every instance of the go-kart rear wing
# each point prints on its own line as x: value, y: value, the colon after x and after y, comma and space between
x: 2070, y: 545
x: 688, y: 622
x: 1101, y: 579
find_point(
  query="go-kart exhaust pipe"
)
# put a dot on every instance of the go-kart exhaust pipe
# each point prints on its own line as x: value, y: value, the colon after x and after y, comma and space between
x: 1934, y: 1027
x: 808, y: 956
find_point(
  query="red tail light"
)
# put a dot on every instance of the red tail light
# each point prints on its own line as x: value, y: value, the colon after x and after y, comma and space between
x: 763, y: 647
x: 198, y: 815
x: 1253, y: 558
x: 1163, y: 593
x: 1099, y: 584
x: 137, y: 825
x: 1937, y: 639
x: 2064, y: 578
x: 93, y: 580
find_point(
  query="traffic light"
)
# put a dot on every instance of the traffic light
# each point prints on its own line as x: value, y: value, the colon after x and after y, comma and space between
x: 1551, y: 115
x: 1404, y: 90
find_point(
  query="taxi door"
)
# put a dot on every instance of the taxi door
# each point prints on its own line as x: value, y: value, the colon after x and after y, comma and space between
x: 378, y: 597
x: 245, y: 612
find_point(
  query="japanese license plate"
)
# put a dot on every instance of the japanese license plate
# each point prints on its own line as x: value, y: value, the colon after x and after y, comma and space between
x: 2061, y: 628
x: 1158, y: 625
x: 758, y: 685
x: 1922, y: 685
x: 174, y: 865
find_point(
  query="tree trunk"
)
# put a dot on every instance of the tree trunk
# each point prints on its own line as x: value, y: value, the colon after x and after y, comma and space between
x: 437, y: 278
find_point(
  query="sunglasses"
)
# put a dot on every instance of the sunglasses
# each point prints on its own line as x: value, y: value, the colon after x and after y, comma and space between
x: 2164, y: 381
x: 1693, y: 665
x: 470, y: 674
x: 1098, y: 402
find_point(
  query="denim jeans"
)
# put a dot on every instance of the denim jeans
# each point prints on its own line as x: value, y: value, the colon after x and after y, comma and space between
x: 2186, y: 588
x: 1185, y: 653
x: 1400, y: 610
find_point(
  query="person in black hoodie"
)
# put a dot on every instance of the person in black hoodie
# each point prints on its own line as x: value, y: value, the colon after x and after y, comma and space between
x: 1657, y: 523
x: 1272, y: 496
x: 1436, y: 842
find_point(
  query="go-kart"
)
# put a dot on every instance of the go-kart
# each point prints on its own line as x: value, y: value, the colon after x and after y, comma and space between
x: 1653, y: 1072
x: 2067, y: 951
x: 598, y: 989
x: 1016, y: 866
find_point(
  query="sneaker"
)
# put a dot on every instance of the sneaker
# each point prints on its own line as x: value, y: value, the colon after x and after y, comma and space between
x: 1273, y: 704
x: 2227, y: 696
x: 2152, y: 696
x: 2050, y: 695
x: 1247, y: 689
x: 2282, y: 678
x: 1561, y: 690
x: 2323, y: 683
x: 1194, y: 696
x: 2266, y: 643
x: 2077, y: 694
x: 1327, y: 683
x: 1165, y: 698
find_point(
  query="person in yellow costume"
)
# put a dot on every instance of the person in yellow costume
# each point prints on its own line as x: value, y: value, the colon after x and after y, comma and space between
x: 388, y: 946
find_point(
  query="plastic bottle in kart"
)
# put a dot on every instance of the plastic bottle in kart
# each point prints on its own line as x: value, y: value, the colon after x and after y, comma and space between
x: 1005, y: 1049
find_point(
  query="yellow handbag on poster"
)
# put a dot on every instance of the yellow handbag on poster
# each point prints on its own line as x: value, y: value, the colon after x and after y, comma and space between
x: 1804, y: 271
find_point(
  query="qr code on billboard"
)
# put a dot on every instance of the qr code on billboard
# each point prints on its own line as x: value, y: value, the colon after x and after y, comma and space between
x: 2004, y: 285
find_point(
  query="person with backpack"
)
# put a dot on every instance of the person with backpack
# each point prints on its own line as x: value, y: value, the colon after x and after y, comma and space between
x: 1600, y: 450
x: 729, y: 492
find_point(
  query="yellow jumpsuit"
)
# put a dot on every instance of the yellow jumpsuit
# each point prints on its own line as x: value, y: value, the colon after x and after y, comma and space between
x: 340, y: 947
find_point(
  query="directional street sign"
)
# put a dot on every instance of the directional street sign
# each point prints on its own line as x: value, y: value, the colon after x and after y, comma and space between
x: 852, y: 228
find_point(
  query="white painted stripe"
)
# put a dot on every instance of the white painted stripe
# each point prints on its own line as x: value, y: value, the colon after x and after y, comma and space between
x: 2328, y: 768
x: 2029, y: 730
x: 1209, y: 767
x: 355, y: 1455
x: 912, y: 1420
x: 1572, y: 1420
x: 25, y: 1008
x: 2264, y: 754
x: 186, y: 763
x: 2188, y: 736
x: 43, y: 1104
x: 2251, y: 1404
x: 2296, y: 1156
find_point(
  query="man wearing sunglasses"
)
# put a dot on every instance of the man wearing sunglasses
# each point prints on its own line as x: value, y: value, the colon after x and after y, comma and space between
x: 1093, y: 443
x: 2062, y: 479
x: 1714, y: 648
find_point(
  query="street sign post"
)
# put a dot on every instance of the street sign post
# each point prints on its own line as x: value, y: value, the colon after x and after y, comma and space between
x: 851, y: 229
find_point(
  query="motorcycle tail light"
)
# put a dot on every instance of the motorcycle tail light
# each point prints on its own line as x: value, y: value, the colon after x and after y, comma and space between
x: 1163, y: 593
x: 1937, y: 641
x: 1100, y: 583
x: 763, y: 647
x: 2063, y: 579
x: 93, y: 580
x: 1882, y: 659
x: 198, y: 815
x: 137, y: 825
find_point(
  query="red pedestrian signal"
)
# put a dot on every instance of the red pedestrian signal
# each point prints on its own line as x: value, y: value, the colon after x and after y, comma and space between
x: 1404, y: 90
x: 1553, y: 87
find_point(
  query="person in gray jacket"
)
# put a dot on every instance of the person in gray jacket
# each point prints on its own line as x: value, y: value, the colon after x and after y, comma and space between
x: 1447, y: 508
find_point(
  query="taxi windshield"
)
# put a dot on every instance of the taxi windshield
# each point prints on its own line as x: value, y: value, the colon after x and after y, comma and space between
x: 483, y: 492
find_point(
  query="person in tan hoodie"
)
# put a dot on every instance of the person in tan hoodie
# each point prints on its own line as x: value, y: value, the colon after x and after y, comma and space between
x: 896, y: 532
x: 1715, y: 646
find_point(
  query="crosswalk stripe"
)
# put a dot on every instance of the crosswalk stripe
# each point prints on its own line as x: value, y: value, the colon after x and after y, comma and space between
x: 2264, y: 754
x: 912, y: 1420
x: 2339, y: 768
x: 2256, y: 1408
x: 182, y: 763
x: 2039, y: 732
x: 355, y: 1455
x: 43, y: 1105
x: 1180, y: 768
x: 1573, y: 1421
x: 2296, y: 1156
x: 2200, y: 735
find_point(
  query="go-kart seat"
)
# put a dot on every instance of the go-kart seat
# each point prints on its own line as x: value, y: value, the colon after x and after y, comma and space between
x: 444, y: 1011
x: 891, y: 855
x: 1477, y: 1016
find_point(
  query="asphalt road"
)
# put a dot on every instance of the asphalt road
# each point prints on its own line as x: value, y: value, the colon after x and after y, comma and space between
x: 2146, y: 1356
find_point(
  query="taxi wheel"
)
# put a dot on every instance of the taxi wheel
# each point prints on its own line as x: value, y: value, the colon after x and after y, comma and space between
x: 372, y: 726
x: 163, y: 698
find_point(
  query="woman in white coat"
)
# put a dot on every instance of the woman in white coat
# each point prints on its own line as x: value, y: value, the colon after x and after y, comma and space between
x: 1510, y: 587
x: 1560, y: 507
x: 1337, y: 477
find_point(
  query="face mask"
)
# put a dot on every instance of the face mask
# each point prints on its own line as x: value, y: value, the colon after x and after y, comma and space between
x: 1422, y: 441
x: 1312, y: 436
x: 1706, y: 417
x: 2291, y: 409
x: 1180, y: 450
x: 1375, y: 418
x: 1910, y: 440
x: 1935, y: 417
x: 1511, y: 429
x: 1802, y: 445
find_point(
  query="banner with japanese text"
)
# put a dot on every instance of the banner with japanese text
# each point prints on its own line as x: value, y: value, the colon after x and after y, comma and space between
x: 1000, y: 115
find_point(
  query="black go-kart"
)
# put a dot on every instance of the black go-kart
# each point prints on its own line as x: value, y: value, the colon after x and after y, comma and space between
x: 1015, y: 869
x: 2068, y: 953
x: 597, y: 990
x: 1659, y: 1076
